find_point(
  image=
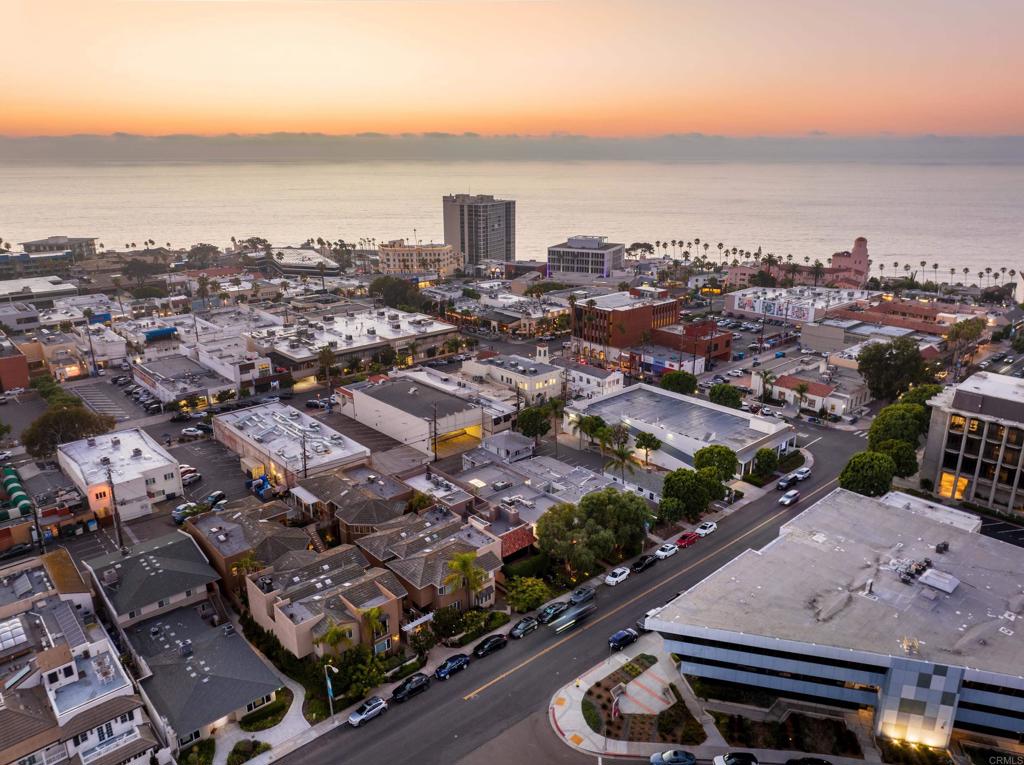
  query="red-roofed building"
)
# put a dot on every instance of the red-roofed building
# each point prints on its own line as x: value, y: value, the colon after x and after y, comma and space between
x: 830, y: 397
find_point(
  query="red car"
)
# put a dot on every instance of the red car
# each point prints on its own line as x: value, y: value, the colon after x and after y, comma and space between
x: 687, y: 539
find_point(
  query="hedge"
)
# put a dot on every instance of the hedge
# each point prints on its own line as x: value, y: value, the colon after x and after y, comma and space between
x: 245, y: 750
x: 200, y: 753
x: 592, y: 716
x: 268, y: 715
x: 537, y: 566
x: 494, y: 620
x: 792, y: 461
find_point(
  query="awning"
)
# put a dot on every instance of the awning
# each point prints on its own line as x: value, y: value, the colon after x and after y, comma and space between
x: 304, y: 496
x: 417, y: 622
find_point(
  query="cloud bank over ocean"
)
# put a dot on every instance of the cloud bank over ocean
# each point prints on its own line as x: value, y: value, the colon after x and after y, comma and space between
x: 447, y: 147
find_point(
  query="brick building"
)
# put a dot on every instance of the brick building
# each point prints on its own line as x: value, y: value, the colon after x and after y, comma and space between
x: 700, y: 338
x: 602, y: 327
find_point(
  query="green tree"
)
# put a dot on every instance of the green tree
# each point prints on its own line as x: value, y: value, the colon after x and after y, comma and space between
x: 622, y: 513
x: 921, y: 394
x: 647, y: 443
x: 579, y: 543
x: 684, y: 495
x: 533, y: 422
x: 335, y: 636
x: 60, y: 424
x: 555, y: 408
x: 724, y: 394
x: 868, y: 473
x: 719, y: 458
x: 801, y: 395
x: 464, y: 572
x: 891, y: 368
x: 327, y: 361
x: 903, y: 455
x: 525, y: 593
x: 679, y: 382
x: 766, y: 462
x: 620, y: 458
x: 902, y: 422
x: 396, y: 292
x: 359, y: 671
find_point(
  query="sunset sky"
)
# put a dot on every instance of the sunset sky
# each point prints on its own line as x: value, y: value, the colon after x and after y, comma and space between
x: 597, y: 67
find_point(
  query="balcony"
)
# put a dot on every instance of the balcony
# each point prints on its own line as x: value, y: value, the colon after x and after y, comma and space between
x: 110, y: 745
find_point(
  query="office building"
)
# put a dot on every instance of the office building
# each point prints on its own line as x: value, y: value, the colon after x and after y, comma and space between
x: 593, y: 255
x: 285, y: 444
x: 480, y: 227
x: 41, y: 291
x: 874, y: 604
x: 686, y: 424
x: 19, y: 265
x: 533, y: 381
x: 128, y: 466
x: 80, y: 246
x: 604, y: 325
x: 397, y: 257
x: 975, y: 442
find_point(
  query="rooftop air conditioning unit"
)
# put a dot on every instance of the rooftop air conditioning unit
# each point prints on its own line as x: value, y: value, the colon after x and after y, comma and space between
x: 115, y: 441
x: 104, y: 460
x: 91, y: 441
x: 136, y: 452
x: 185, y: 649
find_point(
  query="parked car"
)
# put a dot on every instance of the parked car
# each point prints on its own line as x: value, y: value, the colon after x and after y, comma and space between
x: 551, y: 611
x: 315, y: 403
x: 786, y: 481
x: 667, y: 550
x: 413, y: 685
x: 623, y: 638
x: 15, y: 550
x: 190, y: 478
x: 454, y: 663
x: 708, y: 527
x: 581, y: 595
x: 643, y: 563
x: 736, y: 758
x: 789, y: 498
x: 191, y: 432
x: 183, y: 511
x: 214, y: 497
x: 616, y: 575
x: 673, y: 757
x: 154, y: 408
x: 180, y: 417
x: 270, y: 400
x: 488, y: 645
x: 802, y: 474
x: 687, y: 539
x: 523, y: 627
x: 808, y: 761
x: 204, y: 428
x: 372, y: 707
x: 734, y: 373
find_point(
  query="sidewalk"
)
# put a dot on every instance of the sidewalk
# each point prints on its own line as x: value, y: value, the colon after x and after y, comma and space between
x: 565, y: 713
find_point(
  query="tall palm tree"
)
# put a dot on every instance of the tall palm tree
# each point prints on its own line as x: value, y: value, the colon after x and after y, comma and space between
x: 335, y: 635
x: 720, y: 247
x: 767, y: 383
x: 801, y: 393
x: 620, y: 457
x: 203, y: 289
x: 988, y: 275
x: 327, y: 361
x: 376, y: 624
x: 463, y: 571
x: 935, y: 273
x: 88, y: 314
x: 555, y: 408
x: 673, y: 248
x: 1002, y: 270
x: 323, y: 281
x: 117, y: 293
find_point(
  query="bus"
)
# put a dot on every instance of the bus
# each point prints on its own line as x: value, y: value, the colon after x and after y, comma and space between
x: 572, y: 617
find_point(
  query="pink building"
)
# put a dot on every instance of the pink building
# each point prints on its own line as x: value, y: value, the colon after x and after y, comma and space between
x: 846, y: 269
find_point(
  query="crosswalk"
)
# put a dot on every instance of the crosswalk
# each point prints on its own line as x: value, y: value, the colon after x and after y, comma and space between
x: 861, y: 433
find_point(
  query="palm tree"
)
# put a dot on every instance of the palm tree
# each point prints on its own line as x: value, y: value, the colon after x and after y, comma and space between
x: 323, y: 281
x: 817, y: 270
x: 463, y: 571
x: 801, y: 393
x: 327, y: 361
x: 117, y: 293
x: 376, y: 624
x: 767, y: 382
x: 335, y: 635
x: 556, y: 409
x: 647, y: 442
x: 203, y: 289
x: 935, y: 272
x: 88, y: 314
x: 247, y: 564
x: 673, y: 248
x: 720, y: 247
x: 621, y: 458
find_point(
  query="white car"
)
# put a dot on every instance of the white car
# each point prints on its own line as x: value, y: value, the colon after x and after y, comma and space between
x: 191, y: 432
x: 789, y: 498
x: 667, y: 550
x: 6, y: 455
x: 15, y: 391
x: 190, y: 478
x: 734, y: 373
x: 708, y: 527
x: 616, y: 575
x: 802, y: 474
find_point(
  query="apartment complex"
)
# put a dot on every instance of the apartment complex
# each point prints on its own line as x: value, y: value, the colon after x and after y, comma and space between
x: 480, y: 227
x: 128, y: 466
x: 585, y: 255
x: 80, y: 246
x: 397, y: 257
x: 888, y: 605
x: 976, y: 442
x: 17, y: 265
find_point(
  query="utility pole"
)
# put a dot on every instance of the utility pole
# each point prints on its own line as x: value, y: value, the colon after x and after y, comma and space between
x: 117, y: 514
x: 305, y: 464
x: 433, y: 425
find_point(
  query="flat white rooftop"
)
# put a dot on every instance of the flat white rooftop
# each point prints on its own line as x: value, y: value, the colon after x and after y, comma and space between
x: 282, y: 432
x: 36, y: 286
x: 130, y: 453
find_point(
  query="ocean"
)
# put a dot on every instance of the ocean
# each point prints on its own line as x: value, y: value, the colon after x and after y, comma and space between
x: 953, y: 215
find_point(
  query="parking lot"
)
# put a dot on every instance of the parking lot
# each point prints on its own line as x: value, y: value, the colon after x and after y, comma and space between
x: 104, y: 398
x: 219, y: 467
x: 1003, y: 531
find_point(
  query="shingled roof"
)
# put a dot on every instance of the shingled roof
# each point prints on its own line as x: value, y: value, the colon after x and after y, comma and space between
x: 430, y: 567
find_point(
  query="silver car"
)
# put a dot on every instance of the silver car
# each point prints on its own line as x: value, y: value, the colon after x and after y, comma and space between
x: 369, y: 709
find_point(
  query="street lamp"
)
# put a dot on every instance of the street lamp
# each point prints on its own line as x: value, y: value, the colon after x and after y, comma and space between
x: 330, y: 690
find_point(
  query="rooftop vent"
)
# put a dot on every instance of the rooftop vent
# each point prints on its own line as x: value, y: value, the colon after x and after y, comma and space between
x: 185, y: 649
x: 115, y: 442
x: 90, y: 441
x: 136, y: 452
x: 104, y: 460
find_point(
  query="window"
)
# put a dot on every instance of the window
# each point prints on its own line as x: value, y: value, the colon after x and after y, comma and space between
x: 258, y: 703
x: 188, y: 593
x: 52, y: 677
x: 186, y: 740
x: 442, y: 590
x: 127, y: 717
x: 105, y: 731
x: 950, y: 486
x: 162, y: 603
x: 32, y: 759
x: 132, y: 614
x: 101, y: 495
x: 69, y: 671
x: 382, y: 646
x: 168, y: 476
x: 150, y: 481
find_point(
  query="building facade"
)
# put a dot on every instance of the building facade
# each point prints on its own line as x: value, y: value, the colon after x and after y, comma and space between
x: 397, y: 257
x: 585, y: 255
x: 480, y: 227
x: 605, y: 325
x: 975, y: 442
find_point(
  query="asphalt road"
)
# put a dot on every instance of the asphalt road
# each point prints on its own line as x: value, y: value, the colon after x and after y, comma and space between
x: 496, y: 710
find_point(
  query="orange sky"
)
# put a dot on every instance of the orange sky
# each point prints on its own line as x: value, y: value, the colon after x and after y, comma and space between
x: 636, y: 67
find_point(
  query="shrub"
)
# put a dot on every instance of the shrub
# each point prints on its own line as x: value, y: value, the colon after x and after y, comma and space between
x: 526, y: 593
x: 200, y: 753
x: 538, y: 566
x: 245, y: 750
x: 592, y: 716
x: 268, y: 715
x: 792, y: 461
x: 927, y: 484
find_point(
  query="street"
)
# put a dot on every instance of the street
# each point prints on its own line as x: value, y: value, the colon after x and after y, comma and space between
x: 496, y: 711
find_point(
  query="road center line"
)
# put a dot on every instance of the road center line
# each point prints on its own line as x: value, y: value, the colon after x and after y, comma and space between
x: 593, y: 623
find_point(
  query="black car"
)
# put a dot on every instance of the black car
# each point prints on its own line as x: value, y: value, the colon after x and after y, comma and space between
x: 581, y: 595
x: 808, y: 761
x: 786, y: 481
x: 643, y: 563
x: 551, y: 611
x: 673, y: 757
x: 523, y: 627
x: 15, y: 550
x: 411, y: 686
x: 490, y: 645
x: 623, y: 638
x: 203, y: 427
x: 180, y: 417
x: 451, y: 665
x: 313, y: 403
x: 736, y: 758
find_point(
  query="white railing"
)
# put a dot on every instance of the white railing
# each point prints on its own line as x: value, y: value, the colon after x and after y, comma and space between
x: 109, y: 745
